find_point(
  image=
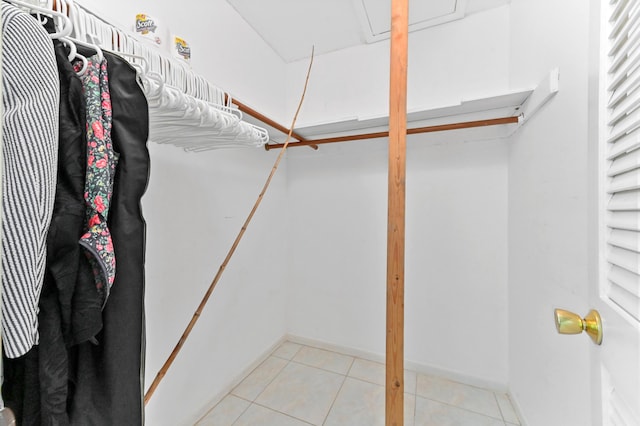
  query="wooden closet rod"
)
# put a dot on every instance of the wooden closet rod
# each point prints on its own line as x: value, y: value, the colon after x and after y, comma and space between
x: 417, y: 130
x: 258, y: 115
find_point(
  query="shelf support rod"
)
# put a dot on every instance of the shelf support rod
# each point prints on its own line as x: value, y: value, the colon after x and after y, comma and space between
x: 417, y: 130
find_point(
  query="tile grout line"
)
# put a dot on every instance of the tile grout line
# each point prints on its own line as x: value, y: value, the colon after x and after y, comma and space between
x: 220, y: 402
x: 353, y: 361
x: 415, y: 403
x: 318, y: 368
x: 267, y: 385
x: 323, y: 368
x: 415, y: 387
x: 346, y: 375
x: 243, y: 411
x: 508, y: 423
x: 462, y: 408
x: 280, y: 412
x: 361, y: 379
x: 499, y: 407
x: 357, y: 379
x: 270, y: 381
x: 335, y: 398
x: 252, y: 371
x: 292, y: 356
x: 289, y: 361
x: 309, y: 366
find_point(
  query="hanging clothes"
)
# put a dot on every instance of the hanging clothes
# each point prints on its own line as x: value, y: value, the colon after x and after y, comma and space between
x: 92, y: 289
x: 124, y: 333
x: 109, y: 376
x: 88, y: 367
x: 63, y: 250
x: 101, y: 168
x: 64, y: 257
x: 36, y: 386
x: 30, y: 96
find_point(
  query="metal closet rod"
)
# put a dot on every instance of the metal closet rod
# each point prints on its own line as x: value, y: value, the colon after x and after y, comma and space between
x: 429, y: 129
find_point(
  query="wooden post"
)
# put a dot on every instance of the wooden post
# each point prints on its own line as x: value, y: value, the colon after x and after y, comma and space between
x: 396, y: 213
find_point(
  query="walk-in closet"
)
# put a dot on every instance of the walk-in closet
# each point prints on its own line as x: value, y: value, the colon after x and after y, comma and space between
x: 232, y: 302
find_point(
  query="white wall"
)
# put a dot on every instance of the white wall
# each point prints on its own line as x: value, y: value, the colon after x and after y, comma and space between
x: 456, y: 207
x: 455, y: 255
x: 548, y: 206
x: 195, y: 205
x: 462, y: 59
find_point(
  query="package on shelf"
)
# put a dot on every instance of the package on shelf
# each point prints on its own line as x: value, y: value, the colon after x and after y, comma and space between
x: 152, y: 29
x: 181, y: 49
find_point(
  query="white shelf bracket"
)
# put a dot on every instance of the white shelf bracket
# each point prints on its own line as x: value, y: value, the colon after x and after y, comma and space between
x: 540, y: 96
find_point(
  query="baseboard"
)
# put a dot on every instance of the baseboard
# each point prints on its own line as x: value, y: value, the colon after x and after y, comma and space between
x: 452, y: 375
x: 358, y: 353
x: 236, y: 381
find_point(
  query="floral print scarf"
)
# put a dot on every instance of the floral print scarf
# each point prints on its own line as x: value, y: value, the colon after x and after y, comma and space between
x: 101, y: 168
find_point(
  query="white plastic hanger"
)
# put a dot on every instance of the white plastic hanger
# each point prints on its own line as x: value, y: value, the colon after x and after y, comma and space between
x: 65, y: 28
x: 78, y: 26
x: 89, y: 46
x: 185, y: 109
x: 73, y: 54
x: 65, y: 7
x: 137, y: 61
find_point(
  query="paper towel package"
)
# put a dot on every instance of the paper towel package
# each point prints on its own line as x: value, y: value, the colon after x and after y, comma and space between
x: 152, y: 29
x: 181, y: 49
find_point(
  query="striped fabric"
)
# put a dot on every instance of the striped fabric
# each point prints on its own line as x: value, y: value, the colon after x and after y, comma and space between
x: 30, y: 99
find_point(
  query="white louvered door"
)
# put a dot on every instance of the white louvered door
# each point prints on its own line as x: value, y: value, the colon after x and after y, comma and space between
x: 616, y: 364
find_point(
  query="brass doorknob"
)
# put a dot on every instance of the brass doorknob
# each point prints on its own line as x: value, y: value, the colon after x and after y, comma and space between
x: 569, y: 323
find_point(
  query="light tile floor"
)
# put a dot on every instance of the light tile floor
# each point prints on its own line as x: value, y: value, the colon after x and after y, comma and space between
x: 301, y: 385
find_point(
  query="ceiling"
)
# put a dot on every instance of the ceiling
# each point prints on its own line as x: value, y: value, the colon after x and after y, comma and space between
x: 291, y: 27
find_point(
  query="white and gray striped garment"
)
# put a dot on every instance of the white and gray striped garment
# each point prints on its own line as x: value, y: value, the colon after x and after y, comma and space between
x: 30, y: 99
